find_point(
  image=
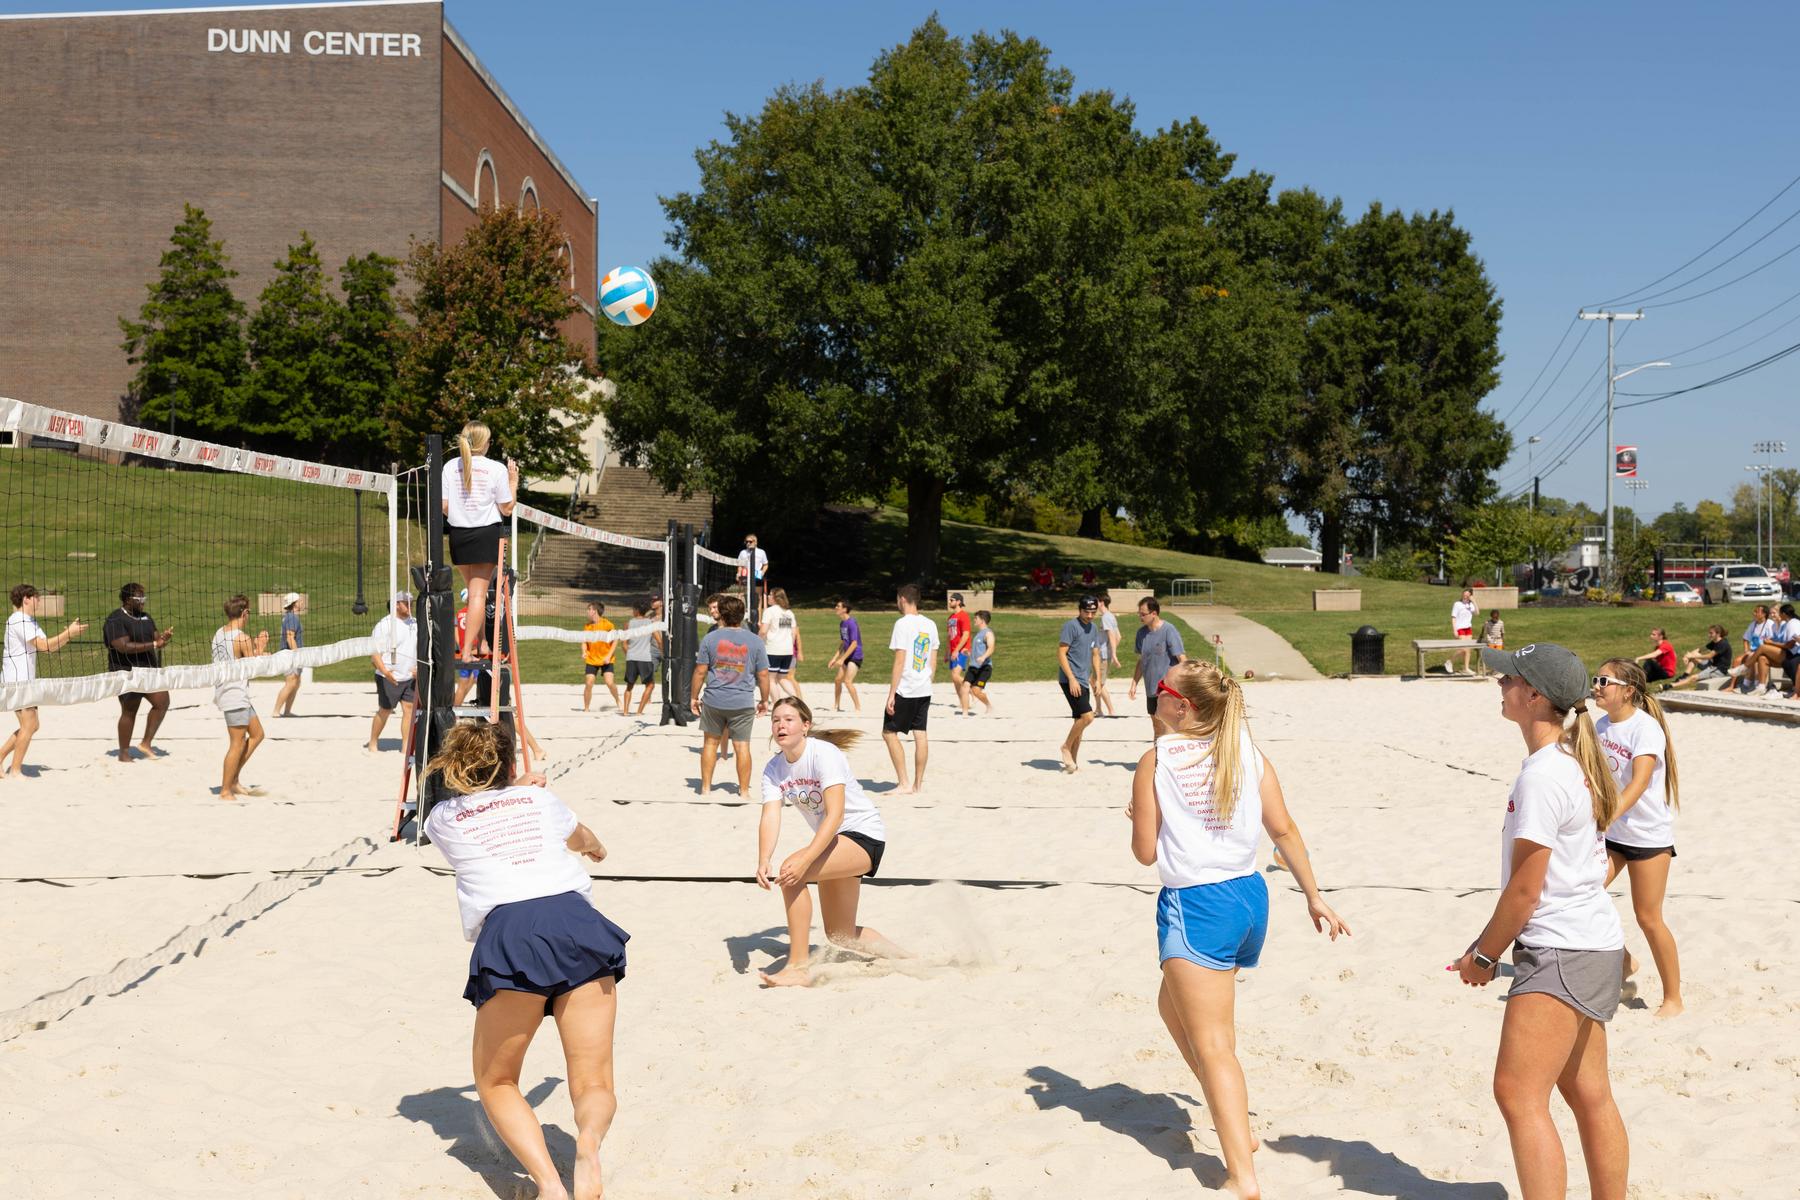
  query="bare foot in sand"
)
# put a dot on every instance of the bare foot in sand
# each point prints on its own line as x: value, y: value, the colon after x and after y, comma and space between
x: 124, y: 756
x: 587, y: 1175
x: 1671, y: 1007
x: 1068, y: 761
x: 787, y: 977
x: 147, y: 750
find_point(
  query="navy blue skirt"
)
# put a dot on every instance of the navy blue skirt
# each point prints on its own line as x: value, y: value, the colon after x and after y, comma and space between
x: 546, y: 946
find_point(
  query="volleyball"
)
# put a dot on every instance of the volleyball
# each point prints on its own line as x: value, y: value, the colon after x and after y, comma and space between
x: 628, y: 295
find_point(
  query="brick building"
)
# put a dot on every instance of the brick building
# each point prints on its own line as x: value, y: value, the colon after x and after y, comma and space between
x: 365, y: 124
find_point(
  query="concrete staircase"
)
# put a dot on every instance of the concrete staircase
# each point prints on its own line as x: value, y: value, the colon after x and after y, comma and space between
x: 569, y: 571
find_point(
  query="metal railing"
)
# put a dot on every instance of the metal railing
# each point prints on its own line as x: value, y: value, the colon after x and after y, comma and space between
x: 1189, y: 590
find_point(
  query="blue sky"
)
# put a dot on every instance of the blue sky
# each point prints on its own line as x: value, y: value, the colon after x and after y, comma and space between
x: 1588, y: 149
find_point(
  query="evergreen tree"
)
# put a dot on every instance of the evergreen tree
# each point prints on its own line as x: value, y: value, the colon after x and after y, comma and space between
x: 293, y: 392
x: 369, y: 336
x: 486, y: 344
x: 188, y: 340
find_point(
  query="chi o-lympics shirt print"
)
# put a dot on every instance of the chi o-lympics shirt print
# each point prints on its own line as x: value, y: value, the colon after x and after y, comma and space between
x: 1195, y: 845
x: 802, y: 783
x: 918, y: 636
x: 506, y: 845
x: 1550, y: 806
x: 1648, y: 822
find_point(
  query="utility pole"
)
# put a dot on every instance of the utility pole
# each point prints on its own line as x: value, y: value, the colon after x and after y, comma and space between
x: 1611, y: 379
x: 1762, y: 471
x: 1768, y: 478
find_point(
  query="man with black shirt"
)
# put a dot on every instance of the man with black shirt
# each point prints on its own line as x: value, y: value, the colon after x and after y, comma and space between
x: 132, y: 640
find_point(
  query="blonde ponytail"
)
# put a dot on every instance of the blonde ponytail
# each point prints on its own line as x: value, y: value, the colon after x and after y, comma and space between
x: 1583, y: 744
x: 471, y: 441
x: 1217, y: 701
x: 1632, y: 676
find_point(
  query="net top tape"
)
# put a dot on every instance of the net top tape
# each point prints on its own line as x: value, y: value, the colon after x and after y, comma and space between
x: 22, y: 418
x: 575, y: 529
x: 701, y: 552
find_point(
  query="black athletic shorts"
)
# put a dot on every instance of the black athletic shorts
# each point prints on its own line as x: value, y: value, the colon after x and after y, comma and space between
x: 979, y: 676
x: 1079, y: 706
x: 909, y: 715
x: 475, y: 547
x: 1637, y: 853
x: 637, y: 671
x: 591, y: 670
x: 391, y: 695
x: 871, y: 847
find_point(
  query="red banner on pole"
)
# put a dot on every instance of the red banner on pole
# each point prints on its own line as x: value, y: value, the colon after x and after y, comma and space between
x: 1625, y: 462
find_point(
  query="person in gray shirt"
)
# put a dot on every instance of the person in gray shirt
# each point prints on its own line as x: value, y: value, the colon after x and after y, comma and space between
x: 1158, y: 648
x: 732, y: 666
x: 1077, y: 664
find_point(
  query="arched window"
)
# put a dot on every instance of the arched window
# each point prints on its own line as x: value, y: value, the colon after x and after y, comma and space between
x: 529, y: 188
x: 568, y: 253
x: 484, y: 165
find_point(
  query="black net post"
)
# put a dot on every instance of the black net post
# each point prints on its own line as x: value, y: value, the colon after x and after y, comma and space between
x: 678, y: 638
x: 437, y: 648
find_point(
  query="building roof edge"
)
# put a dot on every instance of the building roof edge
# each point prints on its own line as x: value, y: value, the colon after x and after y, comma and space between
x: 209, y: 8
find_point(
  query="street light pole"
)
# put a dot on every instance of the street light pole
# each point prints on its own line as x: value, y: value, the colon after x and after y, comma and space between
x: 1609, y: 318
x: 1761, y: 470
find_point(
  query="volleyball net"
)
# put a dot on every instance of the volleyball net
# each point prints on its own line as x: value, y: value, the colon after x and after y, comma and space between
x: 716, y: 574
x: 89, y: 506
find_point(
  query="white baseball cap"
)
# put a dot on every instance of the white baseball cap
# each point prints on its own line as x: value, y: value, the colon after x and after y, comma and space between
x: 402, y: 597
x: 291, y: 599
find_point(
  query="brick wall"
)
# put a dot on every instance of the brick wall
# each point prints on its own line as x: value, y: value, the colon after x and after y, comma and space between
x: 476, y: 120
x: 113, y: 121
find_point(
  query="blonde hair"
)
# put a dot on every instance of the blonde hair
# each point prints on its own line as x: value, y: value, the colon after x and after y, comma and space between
x: 1218, y: 703
x: 778, y: 597
x: 1632, y: 676
x: 471, y: 441
x: 475, y: 756
x: 843, y: 739
x: 1582, y: 743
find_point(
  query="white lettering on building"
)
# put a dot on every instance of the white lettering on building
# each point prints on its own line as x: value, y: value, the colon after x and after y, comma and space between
x: 330, y: 43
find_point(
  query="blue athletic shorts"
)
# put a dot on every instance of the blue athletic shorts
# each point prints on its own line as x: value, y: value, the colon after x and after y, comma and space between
x: 1218, y: 925
x: 959, y: 662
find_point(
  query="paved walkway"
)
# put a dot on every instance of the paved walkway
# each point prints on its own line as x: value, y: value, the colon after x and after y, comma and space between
x: 1247, y: 645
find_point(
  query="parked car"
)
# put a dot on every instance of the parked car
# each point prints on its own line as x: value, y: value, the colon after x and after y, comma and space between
x: 1740, y: 581
x: 1680, y: 591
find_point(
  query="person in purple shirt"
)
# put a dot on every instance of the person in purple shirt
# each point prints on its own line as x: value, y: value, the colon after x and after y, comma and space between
x: 848, y: 660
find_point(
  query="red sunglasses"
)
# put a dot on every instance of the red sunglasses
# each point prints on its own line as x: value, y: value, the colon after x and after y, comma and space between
x: 1163, y: 689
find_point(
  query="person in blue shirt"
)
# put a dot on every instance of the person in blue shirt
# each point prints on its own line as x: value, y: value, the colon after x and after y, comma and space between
x: 293, y: 636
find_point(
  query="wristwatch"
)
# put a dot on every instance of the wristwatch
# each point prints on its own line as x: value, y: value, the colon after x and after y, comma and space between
x: 1483, y: 961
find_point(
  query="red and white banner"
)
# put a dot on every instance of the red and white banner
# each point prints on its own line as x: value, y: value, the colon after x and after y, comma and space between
x: 25, y: 420
x: 1624, y: 462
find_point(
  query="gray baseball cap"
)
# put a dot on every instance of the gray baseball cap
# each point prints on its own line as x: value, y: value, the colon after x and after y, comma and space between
x: 1557, y: 672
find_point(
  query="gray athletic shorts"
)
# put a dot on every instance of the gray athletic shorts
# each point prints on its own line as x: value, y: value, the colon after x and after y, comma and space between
x: 239, y: 718
x: 1588, y: 981
x: 714, y: 721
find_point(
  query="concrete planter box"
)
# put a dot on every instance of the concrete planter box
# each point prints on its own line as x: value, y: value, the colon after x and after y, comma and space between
x: 972, y: 600
x: 1338, y: 600
x: 268, y: 604
x: 1496, y: 597
x: 1126, y: 600
x: 52, y: 604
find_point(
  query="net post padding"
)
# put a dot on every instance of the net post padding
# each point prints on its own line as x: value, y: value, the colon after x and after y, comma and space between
x: 678, y: 641
x: 437, y: 649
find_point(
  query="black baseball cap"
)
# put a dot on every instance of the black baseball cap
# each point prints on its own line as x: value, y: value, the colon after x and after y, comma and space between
x: 1090, y: 602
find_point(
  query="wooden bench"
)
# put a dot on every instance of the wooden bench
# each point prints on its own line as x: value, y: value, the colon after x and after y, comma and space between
x: 1424, y: 646
x: 1731, y: 704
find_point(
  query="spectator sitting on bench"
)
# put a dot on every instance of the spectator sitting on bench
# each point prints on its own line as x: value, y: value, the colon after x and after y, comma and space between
x: 1779, y: 651
x: 1711, y: 661
x: 1065, y: 579
x: 1760, y: 630
x: 1042, y: 578
x: 1659, y: 664
x: 1089, y: 580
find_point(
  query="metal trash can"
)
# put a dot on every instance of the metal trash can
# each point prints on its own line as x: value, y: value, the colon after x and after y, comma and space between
x: 1368, y: 651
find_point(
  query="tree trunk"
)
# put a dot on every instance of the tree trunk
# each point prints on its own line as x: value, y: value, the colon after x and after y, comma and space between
x: 1090, y: 523
x: 1331, y: 543
x: 924, y: 526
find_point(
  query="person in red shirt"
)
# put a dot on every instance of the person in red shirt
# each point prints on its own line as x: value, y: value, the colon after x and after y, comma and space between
x: 1042, y: 577
x: 1660, y: 662
x: 956, y: 650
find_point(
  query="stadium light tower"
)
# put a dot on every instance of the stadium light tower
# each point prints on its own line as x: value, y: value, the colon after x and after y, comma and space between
x: 1611, y: 379
x: 1769, y: 491
x: 1637, y: 487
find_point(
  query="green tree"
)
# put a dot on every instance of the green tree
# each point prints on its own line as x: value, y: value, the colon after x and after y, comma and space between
x: 1491, y: 540
x: 368, y: 338
x: 1401, y: 346
x: 188, y: 340
x: 485, y: 343
x: 291, y: 392
x: 1712, y: 524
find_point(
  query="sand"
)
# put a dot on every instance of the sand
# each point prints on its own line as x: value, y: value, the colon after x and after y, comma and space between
x: 312, y: 1041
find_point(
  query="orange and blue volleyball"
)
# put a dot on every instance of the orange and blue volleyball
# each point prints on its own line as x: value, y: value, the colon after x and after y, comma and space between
x: 628, y: 295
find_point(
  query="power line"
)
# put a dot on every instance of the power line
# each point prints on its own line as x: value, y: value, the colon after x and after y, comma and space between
x: 1690, y: 262
x: 1573, y: 351
x: 1779, y: 304
x: 1761, y: 337
x: 1751, y: 368
x: 1721, y: 287
x: 1534, y: 382
x: 1721, y: 263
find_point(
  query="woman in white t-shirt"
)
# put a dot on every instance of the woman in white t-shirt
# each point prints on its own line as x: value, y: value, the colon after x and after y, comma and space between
x: 541, y: 948
x: 478, y: 494
x: 1568, y: 947
x: 1200, y: 801
x: 848, y: 839
x: 1641, y: 838
x: 780, y: 631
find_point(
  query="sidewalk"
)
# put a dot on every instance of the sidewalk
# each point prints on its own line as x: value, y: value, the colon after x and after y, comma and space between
x: 1247, y: 645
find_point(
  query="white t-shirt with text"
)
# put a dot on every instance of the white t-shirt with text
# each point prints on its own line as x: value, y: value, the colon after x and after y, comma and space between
x: 507, y: 845
x: 918, y: 636
x: 1549, y: 804
x: 803, y: 783
x: 22, y: 633
x: 780, y: 624
x: 397, y: 642
x: 489, y: 488
x: 1195, y: 845
x: 1648, y: 822
x: 1462, y: 615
